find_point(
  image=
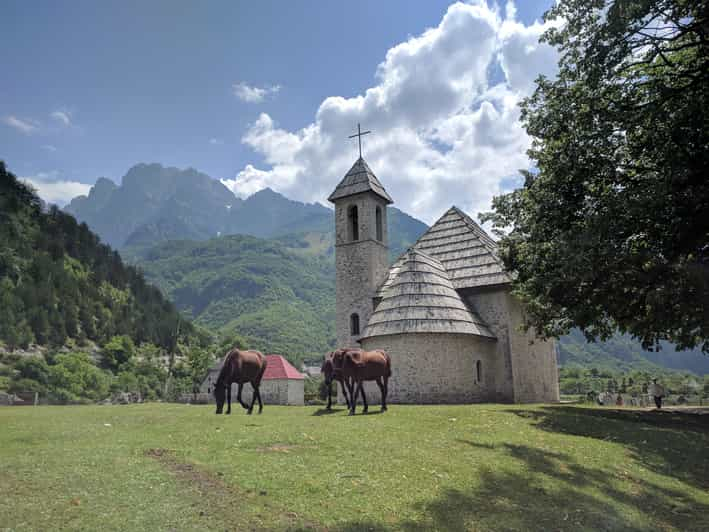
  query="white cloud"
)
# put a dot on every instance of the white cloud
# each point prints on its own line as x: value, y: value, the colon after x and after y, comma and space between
x: 54, y: 190
x: 26, y: 126
x: 62, y: 116
x: 216, y: 141
x: 49, y: 147
x: 442, y: 132
x: 248, y: 181
x: 249, y: 94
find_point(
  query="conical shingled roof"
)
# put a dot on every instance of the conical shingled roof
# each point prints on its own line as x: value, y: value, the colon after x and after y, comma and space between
x: 359, y: 179
x: 420, y: 298
x: 465, y: 250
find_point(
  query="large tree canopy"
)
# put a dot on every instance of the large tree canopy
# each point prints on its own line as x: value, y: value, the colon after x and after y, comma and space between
x: 611, y: 229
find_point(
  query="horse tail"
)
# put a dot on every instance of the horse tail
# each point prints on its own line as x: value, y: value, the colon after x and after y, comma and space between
x: 388, y: 362
x: 264, y: 363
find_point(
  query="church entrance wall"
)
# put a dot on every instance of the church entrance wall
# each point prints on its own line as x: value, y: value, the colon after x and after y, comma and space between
x: 436, y: 368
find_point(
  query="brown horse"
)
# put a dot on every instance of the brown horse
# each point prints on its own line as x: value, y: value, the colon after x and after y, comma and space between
x: 359, y: 366
x: 332, y: 370
x: 240, y: 367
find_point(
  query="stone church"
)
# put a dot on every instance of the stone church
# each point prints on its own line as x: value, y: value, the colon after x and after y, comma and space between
x: 443, y: 311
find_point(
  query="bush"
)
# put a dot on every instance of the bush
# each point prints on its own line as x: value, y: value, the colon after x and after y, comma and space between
x: 26, y: 385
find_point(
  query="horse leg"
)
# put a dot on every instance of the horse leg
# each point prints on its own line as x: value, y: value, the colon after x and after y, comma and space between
x: 345, y: 394
x: 353, y: 395
x: 260, y: 403
x: 329, y: 395
x: 228, y: 398
x: 253, y: 399
x: 238, y: 396
x: 364, y: 397
x: 381, y: 389
x: 386, y: 393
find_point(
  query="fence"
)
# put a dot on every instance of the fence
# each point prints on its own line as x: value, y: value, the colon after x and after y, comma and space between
x: 19, y: 399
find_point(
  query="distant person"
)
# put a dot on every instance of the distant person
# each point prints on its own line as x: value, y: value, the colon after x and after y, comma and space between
x: 619, y: 400
x: 657, y: 391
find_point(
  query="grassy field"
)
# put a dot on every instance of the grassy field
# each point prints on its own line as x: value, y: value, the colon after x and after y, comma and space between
x: 483, y: 467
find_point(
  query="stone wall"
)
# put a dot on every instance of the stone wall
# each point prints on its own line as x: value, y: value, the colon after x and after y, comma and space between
x: 529, y: 371
x: 535, y: 372
x: 436, y: 368
x: 296, y: 392
x: 491, y: 306
x: 361, y: 265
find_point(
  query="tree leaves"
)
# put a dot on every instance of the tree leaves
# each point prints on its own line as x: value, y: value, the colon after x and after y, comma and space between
x: 612, y: 229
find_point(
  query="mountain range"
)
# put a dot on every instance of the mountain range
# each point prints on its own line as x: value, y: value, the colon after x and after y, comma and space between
x: 155, y: 204
x: 263, y: 267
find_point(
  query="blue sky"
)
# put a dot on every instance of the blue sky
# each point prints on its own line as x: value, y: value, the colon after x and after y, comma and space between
x: 91, y: 88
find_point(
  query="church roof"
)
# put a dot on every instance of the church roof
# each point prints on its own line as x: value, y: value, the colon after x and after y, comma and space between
x: 420, y: 298
x: 465, y: 250
x: 359, y: 179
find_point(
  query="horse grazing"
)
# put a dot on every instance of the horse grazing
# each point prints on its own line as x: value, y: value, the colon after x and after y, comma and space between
x: 240, y: 367
x: 332, y: 371
x: 359, y: 366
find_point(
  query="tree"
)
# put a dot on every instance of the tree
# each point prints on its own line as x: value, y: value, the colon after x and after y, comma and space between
x: 199, y: 361
x: 117, y: 352
x: 34, y: 368
x: 611, y: 229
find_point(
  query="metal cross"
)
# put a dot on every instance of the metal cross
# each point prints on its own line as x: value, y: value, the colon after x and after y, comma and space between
x: 359, y: 135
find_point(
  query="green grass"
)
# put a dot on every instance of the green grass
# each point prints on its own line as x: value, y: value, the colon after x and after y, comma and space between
x: 482, y: 467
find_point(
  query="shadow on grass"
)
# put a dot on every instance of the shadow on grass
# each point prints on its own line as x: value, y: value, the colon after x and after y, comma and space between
x: 326, y: 412
x: 528, y: 488
x: 553, y: 493
x: 667, y: 443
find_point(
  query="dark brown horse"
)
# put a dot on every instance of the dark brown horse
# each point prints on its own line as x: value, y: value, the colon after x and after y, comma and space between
x: 359, y: 366
x: 332, y: 371
x: 240, y: 367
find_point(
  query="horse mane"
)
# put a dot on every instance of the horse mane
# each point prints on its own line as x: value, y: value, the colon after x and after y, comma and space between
x: 226, y: 367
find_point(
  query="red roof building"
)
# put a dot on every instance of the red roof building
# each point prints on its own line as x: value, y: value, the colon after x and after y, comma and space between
x: 278, y: 367
x: 281, y: 384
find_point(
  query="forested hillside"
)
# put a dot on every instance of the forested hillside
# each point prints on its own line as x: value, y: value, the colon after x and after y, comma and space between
x: 621, y: 353
x: 58, y: 282
x: 279, y: 298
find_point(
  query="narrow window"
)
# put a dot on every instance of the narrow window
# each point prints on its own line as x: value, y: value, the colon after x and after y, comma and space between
x: 354, y: 325
x: 479, y: 371
x: 353, y: 222
x: 378, y: 216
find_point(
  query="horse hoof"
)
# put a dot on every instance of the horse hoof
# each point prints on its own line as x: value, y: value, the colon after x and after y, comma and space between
x: 228, y: 413
x: 248, y: 412
x: 351, y: 413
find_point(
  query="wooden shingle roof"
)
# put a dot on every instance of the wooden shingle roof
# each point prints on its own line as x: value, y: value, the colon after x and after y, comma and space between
x: 359, y: 179
x: 465, y: 250
x: 420, y: 298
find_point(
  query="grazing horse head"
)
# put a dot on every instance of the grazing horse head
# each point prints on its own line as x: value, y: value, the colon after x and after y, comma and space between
x: 327, y: 369
x: 220, y: 387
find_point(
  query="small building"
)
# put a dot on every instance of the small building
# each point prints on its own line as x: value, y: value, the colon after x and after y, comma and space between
x: 282, y: 384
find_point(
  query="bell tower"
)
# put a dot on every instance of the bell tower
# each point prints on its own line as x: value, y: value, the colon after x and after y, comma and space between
x: 361, y: 248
